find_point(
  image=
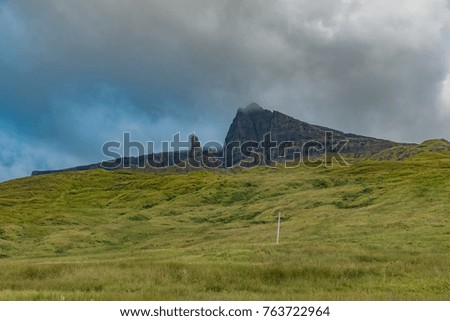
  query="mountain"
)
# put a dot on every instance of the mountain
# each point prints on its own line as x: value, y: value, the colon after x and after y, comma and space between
x: 253, y: 122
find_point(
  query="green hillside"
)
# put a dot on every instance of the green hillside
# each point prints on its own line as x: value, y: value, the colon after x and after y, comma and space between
x: 402, y: 152
x: 376, y: 230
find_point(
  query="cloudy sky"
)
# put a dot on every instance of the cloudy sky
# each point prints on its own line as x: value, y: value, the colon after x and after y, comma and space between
x: 77, y: 73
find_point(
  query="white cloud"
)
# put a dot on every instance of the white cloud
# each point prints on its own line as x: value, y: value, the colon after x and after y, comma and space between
x: 445, y: 96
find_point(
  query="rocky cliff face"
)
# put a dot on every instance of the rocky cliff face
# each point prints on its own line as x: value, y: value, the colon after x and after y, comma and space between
x: 253, y: 122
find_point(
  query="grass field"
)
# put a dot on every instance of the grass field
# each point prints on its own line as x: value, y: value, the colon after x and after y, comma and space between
x: 376, y: 230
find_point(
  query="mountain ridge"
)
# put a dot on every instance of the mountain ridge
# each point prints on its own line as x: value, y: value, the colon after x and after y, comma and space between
x: 251, y: 124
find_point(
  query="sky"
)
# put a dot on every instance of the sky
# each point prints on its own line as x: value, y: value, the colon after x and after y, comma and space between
x: 75, y: 74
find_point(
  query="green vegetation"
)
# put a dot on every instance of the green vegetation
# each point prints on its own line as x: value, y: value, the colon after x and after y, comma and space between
x: 376, y: 230
x: 403, y: 152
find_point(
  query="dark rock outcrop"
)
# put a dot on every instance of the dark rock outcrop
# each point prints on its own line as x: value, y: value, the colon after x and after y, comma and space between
x: 195, y: 150
x: 253, y: 122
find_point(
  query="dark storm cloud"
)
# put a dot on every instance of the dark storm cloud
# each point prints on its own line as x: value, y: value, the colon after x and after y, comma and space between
x: 77, y: 73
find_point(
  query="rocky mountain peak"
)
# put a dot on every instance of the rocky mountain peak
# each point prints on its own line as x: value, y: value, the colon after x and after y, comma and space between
x: 253, y: 122
x: 252, y: 108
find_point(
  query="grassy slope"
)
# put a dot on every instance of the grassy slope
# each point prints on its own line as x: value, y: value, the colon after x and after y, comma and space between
x: 374, y: 230
x: 403, y: 152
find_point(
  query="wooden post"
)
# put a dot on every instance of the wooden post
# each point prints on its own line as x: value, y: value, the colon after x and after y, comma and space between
x: 279, y: 223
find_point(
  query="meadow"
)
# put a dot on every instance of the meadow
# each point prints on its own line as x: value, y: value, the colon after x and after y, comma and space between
x: 375, y: 230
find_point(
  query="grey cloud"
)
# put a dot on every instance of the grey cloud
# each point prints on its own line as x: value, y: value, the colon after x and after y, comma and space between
x: 375, y: 68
